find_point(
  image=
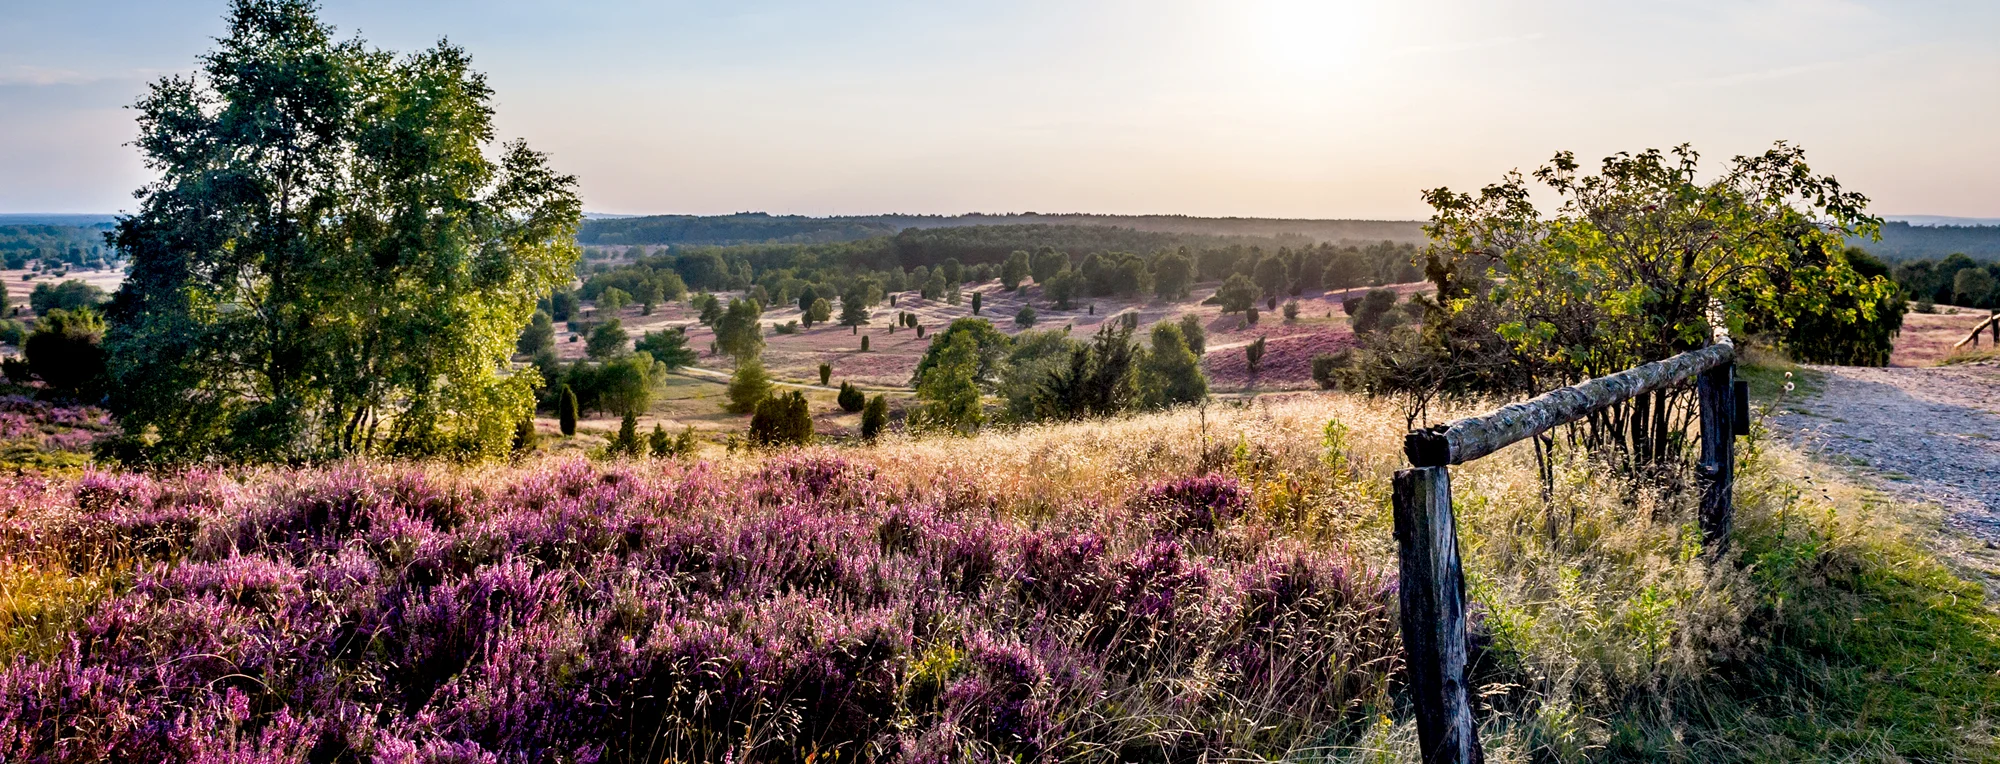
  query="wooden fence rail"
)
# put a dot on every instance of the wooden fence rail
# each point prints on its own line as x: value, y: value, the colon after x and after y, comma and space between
x: 1432, y: 590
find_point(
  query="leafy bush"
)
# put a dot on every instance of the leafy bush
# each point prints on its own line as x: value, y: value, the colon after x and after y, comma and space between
x: 668, y: 347
x: 1025, y: 317
x: 875, y: 417
x: 72, y: 295
x: 782, y: 420
x: 748, y: 386
x: 566, y: 411
x: 825, y: 373
x: 64, y: 351
x: 850, y: 398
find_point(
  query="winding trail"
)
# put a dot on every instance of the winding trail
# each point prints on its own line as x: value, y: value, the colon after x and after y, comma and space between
x: 1922, y: 434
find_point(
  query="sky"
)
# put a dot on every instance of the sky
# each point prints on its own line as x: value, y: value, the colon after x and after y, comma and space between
x: 1270, y: 108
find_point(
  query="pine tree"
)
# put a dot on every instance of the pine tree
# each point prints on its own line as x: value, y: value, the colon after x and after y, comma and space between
x: 627, y: 442
x: 850, y: 397
x: 825, y: 374
x: 749, y: 386
x: 660, y: 443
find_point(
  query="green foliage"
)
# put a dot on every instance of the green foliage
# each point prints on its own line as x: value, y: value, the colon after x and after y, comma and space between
x: 13, y: 332
x: 1824, y: 330
x: 1375, y: 310
x: 708, y: 309
x: 626, y: 442
x: 1291, y: 311
x: 976, y: 303
x: 566, y: 411
x: 1173, y: 276
x: 1025, y: 317
x: 65, y: 353
x: 1061, y: 288
x: 1014, y: 270
x: 819, y: 312
x: 739, y: 332
x: 1170, y: 373
x: 864, y: 343
x: 613, y: 300
x: 990, y: 345
x: 623, y: 385
x: 748, y: 386
x: 1253, y: 354
x: 1098, y: 380
x: 1271, y: 277
x: 669, y: 347
x: 1238, y: 294
x: 875, y: 417
x: 607, y: 340
x: 1326, y: 368
x: 825, y: 373
x: 1250, y: 316
x: 527, y: 439
x: 677, y: 447
x: 850, y: 398
x: 949, y: 385
x: 538, y: 337
x: 1194, y: 335
x: 1630, y: 268
x: 782, y: 420
x: 71, y: 294
x: 329, y: 262
x: 854, y: 307
x: 1046, y: 263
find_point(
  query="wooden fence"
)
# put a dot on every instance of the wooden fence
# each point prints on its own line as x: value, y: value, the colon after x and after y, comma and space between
x: 1432, y: 591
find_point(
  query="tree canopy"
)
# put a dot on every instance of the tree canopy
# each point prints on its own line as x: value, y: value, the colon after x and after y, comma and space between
x: 328, y: 262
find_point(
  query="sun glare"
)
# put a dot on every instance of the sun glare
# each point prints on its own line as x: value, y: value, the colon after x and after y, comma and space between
x: 1299, y: 43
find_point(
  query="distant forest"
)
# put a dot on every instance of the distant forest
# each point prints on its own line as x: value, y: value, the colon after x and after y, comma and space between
x: 758, y: 227
x: 1902, y: 241
x: 54, y: 245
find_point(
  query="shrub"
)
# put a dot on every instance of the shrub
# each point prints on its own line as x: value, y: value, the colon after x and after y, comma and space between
x: 1025, y: 317
x: 73, y: 294
x: 679, y: 446
x: 850, y: 398
x: 566, y: 411
x: 607, y: 341
x: 976, y: 302
x: 527, y: 439
x: 1291, y: 311
x: 540, y: 335
x: 748, y: 386
x: 1194, y: 335
x: 864, y: 343
x: 1250, y: 316
x: 626, y: 443
x: 825, y: 373
x: 1237, y: 294
x: 1326, y: 368
x: 1253, y: 354
x: 64, y: 351
x: 782, y: 420
x: 668, y: 347
x: 875, y: 416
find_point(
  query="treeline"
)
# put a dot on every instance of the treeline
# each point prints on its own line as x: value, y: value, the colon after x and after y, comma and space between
x: 1901, y: 242
x: 936, y: 263
x: 758, y: 227
x: 1954, y: 280
x: 52, y: 246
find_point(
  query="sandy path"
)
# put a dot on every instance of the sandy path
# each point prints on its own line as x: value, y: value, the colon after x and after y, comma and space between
x: 1925, y: 434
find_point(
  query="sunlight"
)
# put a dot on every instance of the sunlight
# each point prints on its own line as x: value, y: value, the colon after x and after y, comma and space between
x: 1306, y: 43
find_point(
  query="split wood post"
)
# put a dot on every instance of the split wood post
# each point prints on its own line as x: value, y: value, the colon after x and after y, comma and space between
x: 1432, y: 596
x: 1716, y: 389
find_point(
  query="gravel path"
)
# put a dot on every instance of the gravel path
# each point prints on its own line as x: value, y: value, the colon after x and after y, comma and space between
x: 1925, y: 434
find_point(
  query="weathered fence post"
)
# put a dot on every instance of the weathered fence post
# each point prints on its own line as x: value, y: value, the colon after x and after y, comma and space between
x: 1716, y: 389
x: 1432, y: 595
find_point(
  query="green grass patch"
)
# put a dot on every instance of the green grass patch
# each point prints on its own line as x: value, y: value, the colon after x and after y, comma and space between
x: 39, y: 609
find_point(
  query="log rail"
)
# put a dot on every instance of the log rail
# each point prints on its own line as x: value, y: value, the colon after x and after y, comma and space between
x: 1432, y: 588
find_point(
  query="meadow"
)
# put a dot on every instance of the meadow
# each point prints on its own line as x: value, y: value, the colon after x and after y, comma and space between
x: 1201, y: 584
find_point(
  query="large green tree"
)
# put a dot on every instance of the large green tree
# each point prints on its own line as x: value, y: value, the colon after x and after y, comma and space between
x: 329, y: 262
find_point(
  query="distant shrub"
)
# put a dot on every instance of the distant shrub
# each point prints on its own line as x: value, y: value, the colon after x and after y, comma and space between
x: 749, y: 386
x: 1326, y: 368
x: 67, y: 295
x: 1253, y: 354
x: 1025, y: 317
x: 566, y: 411
x: 65, y: 352
x: 626, y: 443
x: 825, y: 374
x: 850, y: 398
x: 1291, y: 311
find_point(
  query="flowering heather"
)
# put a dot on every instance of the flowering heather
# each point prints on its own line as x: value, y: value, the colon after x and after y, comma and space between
x: 803, y: 608
x: 30, y: 427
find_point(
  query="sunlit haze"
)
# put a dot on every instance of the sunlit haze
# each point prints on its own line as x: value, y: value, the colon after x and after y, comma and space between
x: 1275, y: 108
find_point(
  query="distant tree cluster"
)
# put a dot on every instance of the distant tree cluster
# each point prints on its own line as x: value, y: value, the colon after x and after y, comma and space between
x: 1955, y: 280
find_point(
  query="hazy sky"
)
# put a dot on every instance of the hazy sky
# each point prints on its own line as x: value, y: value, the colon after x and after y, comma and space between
x: 1239, y: 107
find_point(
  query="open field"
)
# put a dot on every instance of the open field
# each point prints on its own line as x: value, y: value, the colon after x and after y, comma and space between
x: 1927, y: 337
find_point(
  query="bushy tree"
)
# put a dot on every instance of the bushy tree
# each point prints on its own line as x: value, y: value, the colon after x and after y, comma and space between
x: 607, y: 340
x: 708, y: 309
x: 1098, y: 380
x: 1344, y: 271
x: 1014, y: 270
x: 740, y: 331
x: 1061, y: 288
x: 990, y: 345
x: 1238, y: 294
x: 854, y: 307
x: 613, y: 300
x: 850, y: 397
x: 64, y: 351
x: 1291, y: 311
x: 1194, y: 335
x: 782, y: 420
x: 539, y: 336
x: 1170, y: 374
x: 748, y: 386
x: 668, y: 347
x: 1271, y: 277
x: 67, y: 295
x: 818, y: 313
x: 950, y: 387
x: 625, y: 384
x: 875, y: 417
x: 1173, y: 276
x: 1046, y: 264
x: 1025, y: 317
x: 329, y: 261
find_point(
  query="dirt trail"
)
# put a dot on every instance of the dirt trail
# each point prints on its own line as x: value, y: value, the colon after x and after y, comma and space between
x: 1924, y: 434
